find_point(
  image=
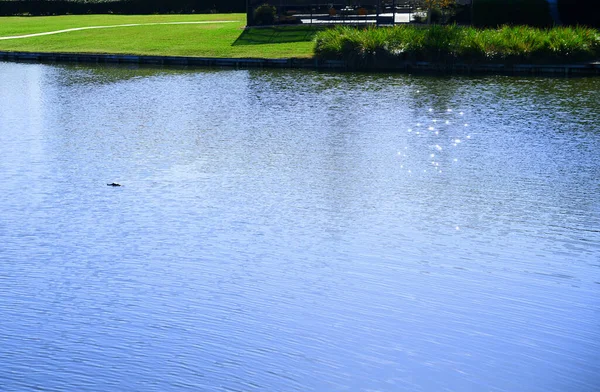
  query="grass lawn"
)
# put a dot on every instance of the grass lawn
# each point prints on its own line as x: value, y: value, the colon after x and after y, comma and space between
x: 226, y: 37
x: 201, y: 40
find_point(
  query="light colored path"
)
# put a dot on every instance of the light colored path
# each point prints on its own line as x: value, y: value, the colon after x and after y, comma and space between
x: 112, y: 26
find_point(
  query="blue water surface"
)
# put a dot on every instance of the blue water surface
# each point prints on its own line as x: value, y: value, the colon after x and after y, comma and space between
x: 297, y: 231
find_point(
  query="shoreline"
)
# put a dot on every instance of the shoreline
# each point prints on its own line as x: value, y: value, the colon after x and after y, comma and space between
x: 583, y: 69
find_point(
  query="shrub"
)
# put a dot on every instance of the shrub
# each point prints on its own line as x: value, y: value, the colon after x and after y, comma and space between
x: 461, y: 14
x: 436, y: 15
x: 265, y: 15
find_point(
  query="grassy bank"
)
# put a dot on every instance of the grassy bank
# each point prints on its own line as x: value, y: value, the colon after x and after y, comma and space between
x: 224, y: 36
x: 448, y: 44
x: 201, y: 40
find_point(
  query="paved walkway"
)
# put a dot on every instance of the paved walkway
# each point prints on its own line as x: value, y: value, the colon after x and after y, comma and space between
x: 111, y: 26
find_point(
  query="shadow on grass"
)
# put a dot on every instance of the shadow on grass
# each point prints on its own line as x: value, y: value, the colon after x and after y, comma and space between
x: 276, y: 35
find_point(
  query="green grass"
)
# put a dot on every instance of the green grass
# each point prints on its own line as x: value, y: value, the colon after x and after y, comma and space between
x: 202, y: 40
x: 359, y: 46
x: 362, y: 47
x: 17, y: 25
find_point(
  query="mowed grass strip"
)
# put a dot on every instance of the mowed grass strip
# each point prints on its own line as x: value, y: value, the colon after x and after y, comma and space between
x: 198, y: 40
x: 20, y: 25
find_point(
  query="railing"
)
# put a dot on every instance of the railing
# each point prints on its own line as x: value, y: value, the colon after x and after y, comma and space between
x: 381, y: 12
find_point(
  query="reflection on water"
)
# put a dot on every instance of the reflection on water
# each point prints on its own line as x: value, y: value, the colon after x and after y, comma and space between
x: 291, y: 230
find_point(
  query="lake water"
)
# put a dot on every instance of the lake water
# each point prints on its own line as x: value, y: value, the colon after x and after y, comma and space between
x: 297, y: 231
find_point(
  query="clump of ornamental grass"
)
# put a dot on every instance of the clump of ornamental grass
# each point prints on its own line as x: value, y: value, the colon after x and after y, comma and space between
x: 577, y: 42
x: 455, y: 43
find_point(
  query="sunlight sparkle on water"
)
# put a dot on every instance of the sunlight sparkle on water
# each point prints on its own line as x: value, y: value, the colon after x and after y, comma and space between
x: 439, y: 147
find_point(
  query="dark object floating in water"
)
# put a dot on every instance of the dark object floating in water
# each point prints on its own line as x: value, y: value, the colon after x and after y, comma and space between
x: 113, y: 184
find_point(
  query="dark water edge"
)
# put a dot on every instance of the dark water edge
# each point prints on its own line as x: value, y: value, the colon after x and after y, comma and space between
x: 423, y: 67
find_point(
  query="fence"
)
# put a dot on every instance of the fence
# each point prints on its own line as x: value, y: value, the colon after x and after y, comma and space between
x: 381, y: 12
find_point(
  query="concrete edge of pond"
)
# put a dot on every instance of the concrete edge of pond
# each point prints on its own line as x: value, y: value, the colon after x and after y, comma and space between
x: 583, y: 69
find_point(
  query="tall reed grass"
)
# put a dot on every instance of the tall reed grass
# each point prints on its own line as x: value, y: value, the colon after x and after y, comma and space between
x: 449, y: 44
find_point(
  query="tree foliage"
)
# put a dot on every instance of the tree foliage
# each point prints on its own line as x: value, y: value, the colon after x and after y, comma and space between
x: 61, y: 7
x: 431, y: 5
x: 438, y: 3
